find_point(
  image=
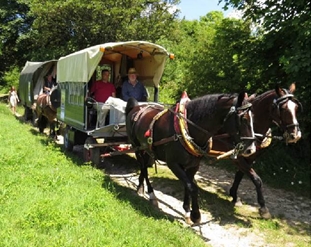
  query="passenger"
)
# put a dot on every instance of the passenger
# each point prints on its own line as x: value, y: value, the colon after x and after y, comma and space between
x: 133, y: 88
x: 101, y: 90
x: 48, y: 84
x: 13, y: 99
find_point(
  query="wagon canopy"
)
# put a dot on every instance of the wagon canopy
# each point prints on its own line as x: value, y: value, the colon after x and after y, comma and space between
x: 31, y: 79
x: 148, y: 59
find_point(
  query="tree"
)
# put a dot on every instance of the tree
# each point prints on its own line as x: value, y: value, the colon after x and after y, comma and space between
x: 14, y: 22
x: 41, y: 30
x: 74, y: 25
x: 286, y: 44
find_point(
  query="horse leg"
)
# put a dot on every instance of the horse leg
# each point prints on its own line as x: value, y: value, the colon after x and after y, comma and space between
x: 142, y: 175
x: 233, y: 192
x: 144, y: 158
x: 263, y: 210
x: 191, y: 190
x: 245, y: 167
x: 52, y: 131
x: 186, y: 206
x: 195, y: 215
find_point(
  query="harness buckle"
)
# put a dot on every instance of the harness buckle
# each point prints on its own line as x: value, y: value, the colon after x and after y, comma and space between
x: 238, y: 148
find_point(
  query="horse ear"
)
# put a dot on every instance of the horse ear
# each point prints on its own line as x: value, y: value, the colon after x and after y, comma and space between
x: 292, y: 87
x: 241, y: 98
x: 252, y: 97
x: 278, y: 90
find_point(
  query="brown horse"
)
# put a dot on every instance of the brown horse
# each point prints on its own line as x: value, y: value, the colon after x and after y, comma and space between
x: 181, y: 136
x: 45, y: 109
x: 274, y: 106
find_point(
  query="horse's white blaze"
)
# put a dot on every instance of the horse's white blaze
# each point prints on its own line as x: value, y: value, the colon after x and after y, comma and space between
x: 252, y: 146
x: 291, y: 107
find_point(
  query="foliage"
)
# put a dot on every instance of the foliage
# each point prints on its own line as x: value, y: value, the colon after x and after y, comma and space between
x: 50, y: 199
x: 14, y: 22
x: 10, y: 78
x: 285, y: 52
x: 74, y: 25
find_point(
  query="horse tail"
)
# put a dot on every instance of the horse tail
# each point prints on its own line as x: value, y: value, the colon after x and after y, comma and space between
x: 131, y: 103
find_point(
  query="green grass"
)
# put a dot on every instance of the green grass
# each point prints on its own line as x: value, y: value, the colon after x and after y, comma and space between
x: 49, y: 199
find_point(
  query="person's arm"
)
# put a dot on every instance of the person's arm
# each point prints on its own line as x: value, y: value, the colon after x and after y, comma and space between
x: 125, y: 95
x: 145, y: 93
x: 113, y: 93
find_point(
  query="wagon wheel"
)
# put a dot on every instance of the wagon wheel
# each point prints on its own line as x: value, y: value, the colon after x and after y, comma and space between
x: 68, y: 145
x: 91, y: 154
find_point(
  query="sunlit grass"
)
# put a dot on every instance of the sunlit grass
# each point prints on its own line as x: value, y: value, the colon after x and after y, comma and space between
x: 48, y: 198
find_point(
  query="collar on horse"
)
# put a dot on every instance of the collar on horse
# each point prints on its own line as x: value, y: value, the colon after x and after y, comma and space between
x: 181, y: 128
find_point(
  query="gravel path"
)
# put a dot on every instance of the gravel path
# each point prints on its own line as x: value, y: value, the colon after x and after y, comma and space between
x: 294, y: 209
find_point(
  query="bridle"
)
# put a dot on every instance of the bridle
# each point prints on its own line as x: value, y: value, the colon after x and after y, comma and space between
x: 278, y: 104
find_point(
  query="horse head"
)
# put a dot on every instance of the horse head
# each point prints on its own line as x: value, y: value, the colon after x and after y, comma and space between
x: 239, y: 124
x: 284, y: 113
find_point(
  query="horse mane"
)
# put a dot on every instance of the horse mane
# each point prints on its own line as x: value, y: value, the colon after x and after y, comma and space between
x: 198, y: 108
x: 262, y: 96
x: 131, y: 103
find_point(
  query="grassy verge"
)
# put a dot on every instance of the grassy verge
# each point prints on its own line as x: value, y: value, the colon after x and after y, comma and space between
x: 50, y: 199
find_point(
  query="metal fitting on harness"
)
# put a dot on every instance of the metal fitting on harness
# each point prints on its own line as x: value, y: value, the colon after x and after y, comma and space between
x: 238, y: 148
x: 149, y: 140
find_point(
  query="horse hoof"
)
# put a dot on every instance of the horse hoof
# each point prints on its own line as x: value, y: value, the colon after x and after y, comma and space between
x: 188, y: 218
x: 188, y: 221
x: 264, y: 213
x: 141, y: 191
x: 238, y: 203
x: 195, y: 218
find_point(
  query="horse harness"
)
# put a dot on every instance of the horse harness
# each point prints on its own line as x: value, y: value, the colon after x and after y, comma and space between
x: 181, y: 128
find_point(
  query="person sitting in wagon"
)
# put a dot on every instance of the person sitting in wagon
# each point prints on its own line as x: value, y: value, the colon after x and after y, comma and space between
x: 49, y: 84
x: 133, y: 88
x: 101, y: 90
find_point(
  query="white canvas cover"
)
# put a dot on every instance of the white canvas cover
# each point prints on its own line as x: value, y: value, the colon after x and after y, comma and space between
x: 80, y: 66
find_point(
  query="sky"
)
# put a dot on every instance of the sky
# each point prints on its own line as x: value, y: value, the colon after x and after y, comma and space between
x: 193, y: 9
